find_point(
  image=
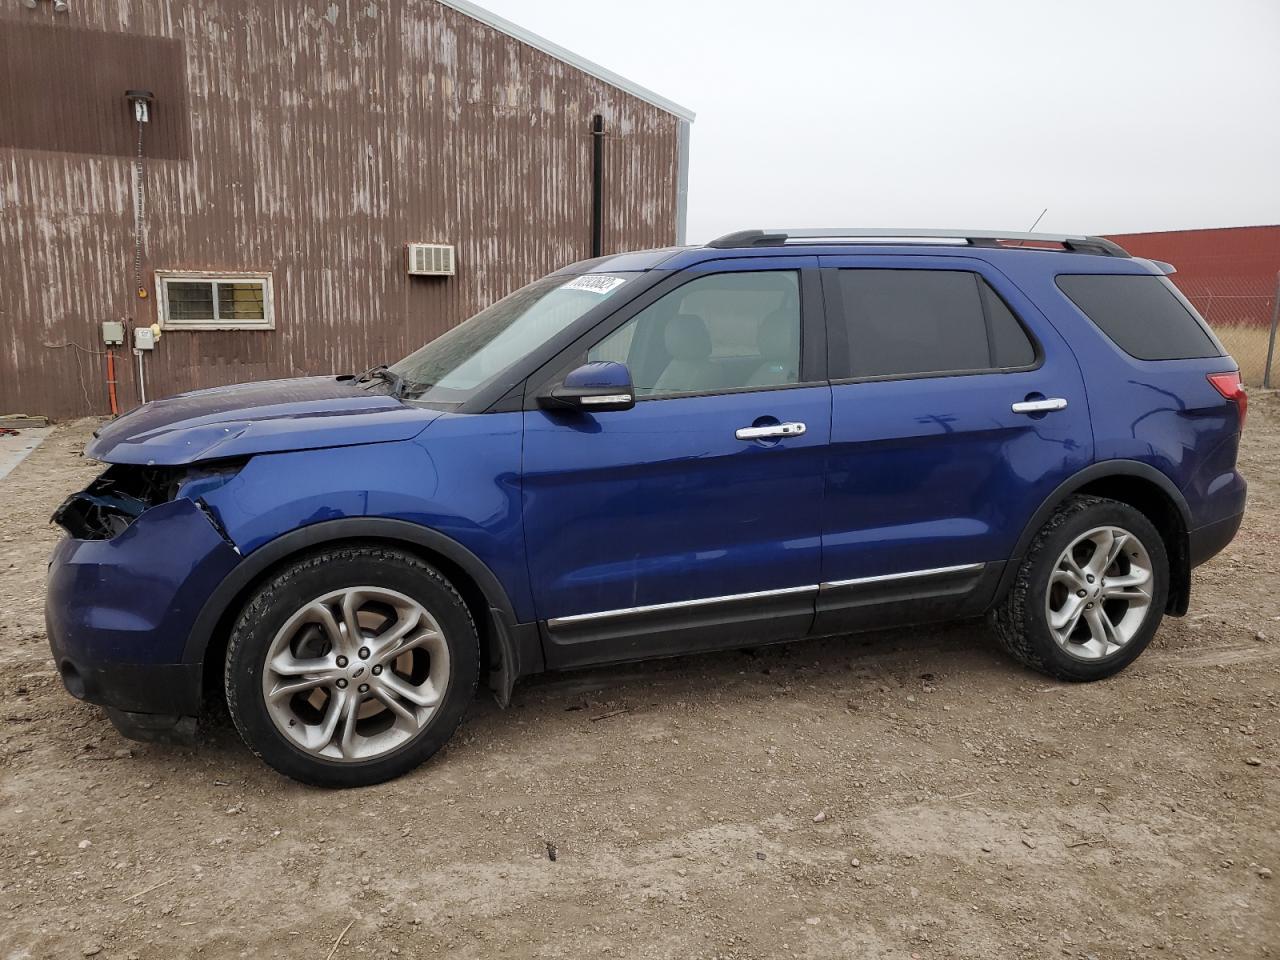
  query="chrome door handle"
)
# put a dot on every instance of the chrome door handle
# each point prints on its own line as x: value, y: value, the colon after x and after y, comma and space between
x: 771, y: 431
x: 1040, y: 406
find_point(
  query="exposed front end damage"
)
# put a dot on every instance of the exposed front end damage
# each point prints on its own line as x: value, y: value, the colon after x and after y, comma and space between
x: 142, y: 554
x: 152, y: 538
x: 118, y: 497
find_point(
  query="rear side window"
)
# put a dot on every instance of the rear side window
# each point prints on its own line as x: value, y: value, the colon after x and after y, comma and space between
x: 1142, y: 314
x: 916, y: 322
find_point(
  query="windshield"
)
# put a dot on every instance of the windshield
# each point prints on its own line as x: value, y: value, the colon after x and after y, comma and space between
x: 453, y: 366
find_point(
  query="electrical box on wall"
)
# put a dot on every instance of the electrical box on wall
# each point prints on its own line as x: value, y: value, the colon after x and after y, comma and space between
x: 144, y: 338
x: 112, y: 333
x: 431, y: 260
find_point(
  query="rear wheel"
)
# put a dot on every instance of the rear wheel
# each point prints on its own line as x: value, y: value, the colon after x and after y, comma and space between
x: 351, y: 666
x: 1089, y: 594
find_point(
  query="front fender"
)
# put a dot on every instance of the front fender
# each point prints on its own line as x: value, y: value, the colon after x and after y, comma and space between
x: 163, y: 590
x: 453, y: 491
x: 460, y: 479
x: 517, y: 646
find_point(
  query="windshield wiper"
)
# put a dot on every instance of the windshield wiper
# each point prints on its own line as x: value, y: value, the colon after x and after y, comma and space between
x: 383, y: 372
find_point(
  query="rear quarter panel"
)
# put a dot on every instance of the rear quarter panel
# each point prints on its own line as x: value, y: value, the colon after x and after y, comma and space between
x: 1164, y: 413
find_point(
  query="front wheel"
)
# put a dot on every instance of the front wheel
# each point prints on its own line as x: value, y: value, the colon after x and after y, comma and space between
x: 351, y: 666
x: 1089, y: 594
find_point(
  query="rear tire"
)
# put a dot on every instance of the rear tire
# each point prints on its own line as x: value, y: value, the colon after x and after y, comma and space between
x: 351, y: 666
x: 1089, y: 594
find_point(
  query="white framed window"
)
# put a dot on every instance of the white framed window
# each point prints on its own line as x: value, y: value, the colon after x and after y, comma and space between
x: 199, y: 300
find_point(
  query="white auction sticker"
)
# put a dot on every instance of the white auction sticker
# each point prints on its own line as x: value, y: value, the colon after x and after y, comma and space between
x: 600, y: 283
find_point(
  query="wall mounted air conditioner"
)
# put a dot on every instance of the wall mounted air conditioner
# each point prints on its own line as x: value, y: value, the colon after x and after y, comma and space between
x: 431, y: 260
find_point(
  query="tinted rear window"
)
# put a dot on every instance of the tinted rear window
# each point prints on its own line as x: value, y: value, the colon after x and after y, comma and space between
x: 920, y: 322
x: 1142, y: 314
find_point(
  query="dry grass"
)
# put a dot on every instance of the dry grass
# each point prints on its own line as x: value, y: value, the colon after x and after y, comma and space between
x: 1248, y: 345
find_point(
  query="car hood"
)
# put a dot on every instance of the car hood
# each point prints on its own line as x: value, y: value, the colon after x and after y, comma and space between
x: 269, y: 417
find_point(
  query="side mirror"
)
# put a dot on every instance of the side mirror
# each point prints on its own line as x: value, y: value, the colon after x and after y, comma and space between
x: 592, y: 387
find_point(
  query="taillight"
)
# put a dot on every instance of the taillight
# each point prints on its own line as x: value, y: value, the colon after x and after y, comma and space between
x: 1231, y: 387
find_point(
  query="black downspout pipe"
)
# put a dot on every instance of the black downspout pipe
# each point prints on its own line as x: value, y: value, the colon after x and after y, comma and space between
x: 597, y: 186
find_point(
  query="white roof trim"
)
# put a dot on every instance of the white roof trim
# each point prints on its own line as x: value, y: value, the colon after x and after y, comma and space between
x: 560, y: 53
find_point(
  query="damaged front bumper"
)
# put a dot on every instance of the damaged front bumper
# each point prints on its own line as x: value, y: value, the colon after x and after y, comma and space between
x: 124, y: 590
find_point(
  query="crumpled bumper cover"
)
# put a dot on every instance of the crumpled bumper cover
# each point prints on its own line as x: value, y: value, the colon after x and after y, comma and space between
x: 119, y: 611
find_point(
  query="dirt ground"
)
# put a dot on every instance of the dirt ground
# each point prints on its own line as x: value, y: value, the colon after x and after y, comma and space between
x: 907, y: 794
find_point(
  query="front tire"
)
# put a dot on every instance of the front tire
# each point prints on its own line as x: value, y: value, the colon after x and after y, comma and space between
x: 1089, y: 594
x: 351, y: 666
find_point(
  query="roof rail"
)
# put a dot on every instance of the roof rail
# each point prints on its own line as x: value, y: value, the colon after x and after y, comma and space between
x: 1074, y: 243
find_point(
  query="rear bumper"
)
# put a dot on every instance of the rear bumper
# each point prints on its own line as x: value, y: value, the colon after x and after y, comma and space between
x: 1207, y: 541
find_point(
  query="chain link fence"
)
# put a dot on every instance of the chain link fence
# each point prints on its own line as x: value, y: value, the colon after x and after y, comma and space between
x: 1242, y: 312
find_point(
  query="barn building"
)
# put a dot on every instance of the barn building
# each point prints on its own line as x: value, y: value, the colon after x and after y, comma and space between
x: 295, y: 188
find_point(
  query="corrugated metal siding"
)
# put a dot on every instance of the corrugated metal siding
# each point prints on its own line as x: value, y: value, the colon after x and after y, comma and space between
x: 1230, y: 273
x: 76, y: 106
x: 324, y: 136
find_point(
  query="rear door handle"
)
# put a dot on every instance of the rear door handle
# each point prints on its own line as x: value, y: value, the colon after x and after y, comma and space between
x: 1040, y: 406
x: 770, y: 431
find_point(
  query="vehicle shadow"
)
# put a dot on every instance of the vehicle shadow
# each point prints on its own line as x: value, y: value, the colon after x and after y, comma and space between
x: 848, y: 666
x: 895, y: 655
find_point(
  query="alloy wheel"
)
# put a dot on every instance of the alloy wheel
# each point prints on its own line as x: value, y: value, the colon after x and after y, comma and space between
x: 1099, y: 593
x: 356, y: 673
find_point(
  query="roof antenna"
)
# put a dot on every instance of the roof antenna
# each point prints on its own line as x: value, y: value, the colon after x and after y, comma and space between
x: 1031, y: 229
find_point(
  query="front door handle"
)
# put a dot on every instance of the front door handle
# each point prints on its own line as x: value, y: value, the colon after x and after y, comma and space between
x: 1040, y: 406
x: 771, y: 431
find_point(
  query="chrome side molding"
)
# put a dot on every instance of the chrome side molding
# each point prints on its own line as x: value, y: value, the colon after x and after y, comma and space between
x: 679, y: 605
x: 909, y: 575
x: 758, y: 595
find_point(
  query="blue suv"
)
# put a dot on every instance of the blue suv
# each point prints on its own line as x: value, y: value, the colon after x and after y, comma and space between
x: 780, y: 434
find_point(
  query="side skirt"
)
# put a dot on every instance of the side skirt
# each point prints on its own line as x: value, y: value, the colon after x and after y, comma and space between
x: 745, y: 620
x: 921, y: 596
x: 672, y: 629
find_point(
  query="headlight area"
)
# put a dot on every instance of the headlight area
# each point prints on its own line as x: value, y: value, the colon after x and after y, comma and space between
x: 144, y: 555
x: 119, y: 496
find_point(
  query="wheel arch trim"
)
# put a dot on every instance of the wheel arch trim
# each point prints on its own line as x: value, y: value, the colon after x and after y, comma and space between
x: 386, y: 529
x: 1103, y: 470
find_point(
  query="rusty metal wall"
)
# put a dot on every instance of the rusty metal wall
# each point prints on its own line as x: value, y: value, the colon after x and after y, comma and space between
x: 323, y: 137
x: 75, y: 103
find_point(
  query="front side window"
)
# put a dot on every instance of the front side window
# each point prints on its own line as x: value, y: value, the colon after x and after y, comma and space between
x: 451, y: 368
x: 920, y: 322
x: 207, y: 302
x: 720, y: 332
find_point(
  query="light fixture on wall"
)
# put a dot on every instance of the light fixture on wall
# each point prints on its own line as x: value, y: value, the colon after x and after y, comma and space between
x: 141, y: 100
x: 61, y: 6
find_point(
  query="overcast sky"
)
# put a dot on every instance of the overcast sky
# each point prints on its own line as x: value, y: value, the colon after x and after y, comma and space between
x: 1117, y: 115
